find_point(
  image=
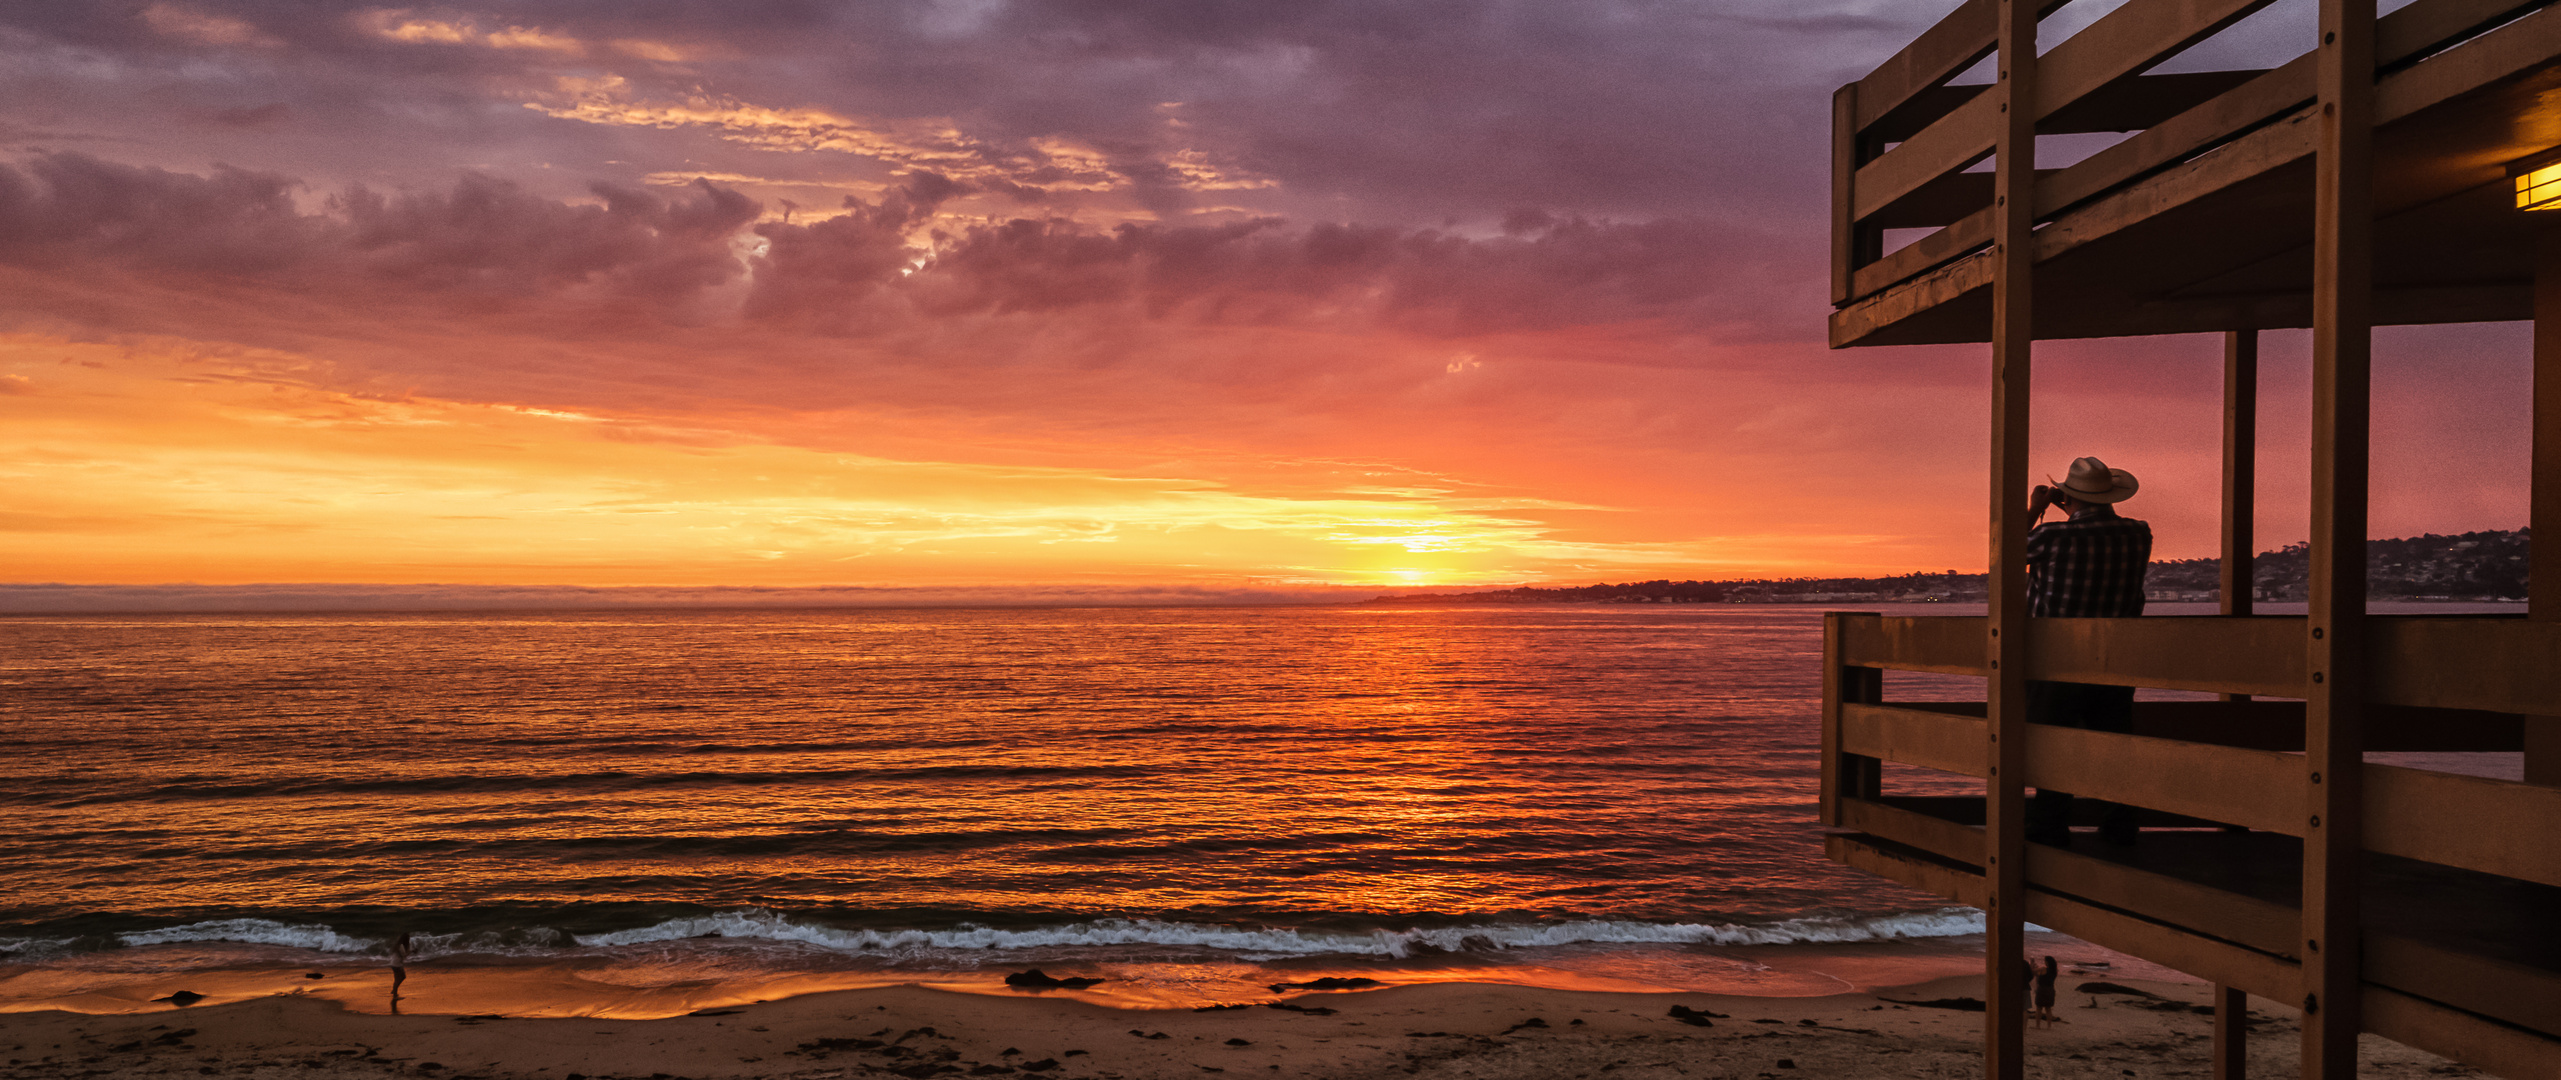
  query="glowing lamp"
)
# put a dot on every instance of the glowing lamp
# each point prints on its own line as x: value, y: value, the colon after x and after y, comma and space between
x: 2538, y: 182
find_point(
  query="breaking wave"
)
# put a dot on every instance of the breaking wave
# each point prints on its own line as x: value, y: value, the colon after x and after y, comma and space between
x: 970, y: 943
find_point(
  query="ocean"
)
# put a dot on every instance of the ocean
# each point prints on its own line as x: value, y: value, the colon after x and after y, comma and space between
x: 1190, y: 803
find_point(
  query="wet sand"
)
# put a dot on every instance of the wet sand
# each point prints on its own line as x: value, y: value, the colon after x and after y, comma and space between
x: 1445, y: 1029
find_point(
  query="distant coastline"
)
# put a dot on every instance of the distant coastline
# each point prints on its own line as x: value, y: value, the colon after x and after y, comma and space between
x: 2473, y: 566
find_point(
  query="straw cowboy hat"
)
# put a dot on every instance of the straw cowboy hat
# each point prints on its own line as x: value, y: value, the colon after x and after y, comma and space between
x: 2091, y: 481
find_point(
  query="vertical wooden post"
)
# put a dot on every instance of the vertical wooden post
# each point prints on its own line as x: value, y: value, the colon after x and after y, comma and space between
x: 1846, y: 233
x: 2543, y: 561
x: 2240, y: 597
x: 1828, y: 808
x: 2231, y: 1033
x: 2240, y: 472
x: 2342, y: 341
x: 2013, y: 336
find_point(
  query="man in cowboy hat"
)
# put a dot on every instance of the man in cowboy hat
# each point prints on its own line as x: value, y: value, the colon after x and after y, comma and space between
x: 2088, y: 566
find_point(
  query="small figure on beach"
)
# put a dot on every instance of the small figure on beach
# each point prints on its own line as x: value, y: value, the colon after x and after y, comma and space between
x: 399, y: 967
x: 2087, y: 566
x: 2043, y: 1014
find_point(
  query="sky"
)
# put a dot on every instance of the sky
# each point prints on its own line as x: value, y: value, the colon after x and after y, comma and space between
x: 989, y: 294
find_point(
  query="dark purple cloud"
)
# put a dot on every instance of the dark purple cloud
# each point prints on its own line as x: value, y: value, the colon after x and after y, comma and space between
x: 1385, y: 111
x: 484, y: 244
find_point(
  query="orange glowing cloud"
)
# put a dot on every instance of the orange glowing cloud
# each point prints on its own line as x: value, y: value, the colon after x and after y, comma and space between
x: 156, y: 461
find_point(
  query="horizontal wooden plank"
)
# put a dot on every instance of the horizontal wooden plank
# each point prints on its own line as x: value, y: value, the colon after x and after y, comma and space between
x: 2262, y: 789
x: 2482, y: 665
x: 2512, y: 993
x: 2127, y: 40
x: 1874, y: 312
x: 2503, y: 665
x: 2121, y: 43
x: 1948, y: 47
x: 2259, y: 655
x: 2501, y: 1049
x: 1948, y: 644
x: 2267, y: 96
x: 2493, y: 826
x: 2277, y: 144
x: 1931, y: 740
x: 2278, y: 725
x: 2410, y: 34
x: 2227, y: 916
x: 1909, y: 868
x: 1957, y: 141
x: 2529, y: 41
x: 2195, y: 954
x: 1965, y: 235
x: 1936, y: 835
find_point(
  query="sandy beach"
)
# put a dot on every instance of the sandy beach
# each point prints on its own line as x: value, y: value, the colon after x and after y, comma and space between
x: 1427, y: 1030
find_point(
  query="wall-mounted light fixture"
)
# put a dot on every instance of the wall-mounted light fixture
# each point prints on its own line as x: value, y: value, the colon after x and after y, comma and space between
x: 2538, y: 181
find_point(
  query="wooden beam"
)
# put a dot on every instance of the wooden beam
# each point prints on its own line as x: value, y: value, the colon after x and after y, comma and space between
x: 2543, y: 512
x: 2231, y: 1033
x: 2419, y: 30
x: 2512, y: 993
x: 1844, y: 774
x: 2494, y: 826
x: 1940, y: 734
x: 2501, y: 665
x: 2168, y: 946
x: 2127, y: 40
x: 2267, y: 148
x: 2201, y: 909
x: 1846, y: 231
x: 2475, y: 63
x: 1931, y: 740
x: 2016, y: 88
x: 2122, y: 42
x: 2342, y: 331
x: 1954, y: 44
x: 1965, y: 236
x: 2250, y: 131
x: 1936, y: 835
x: 2258, y: 655
x: 2262, y: 98
x: 2509, y: 1052
x: 1955, y: 143
x: 1827, y: 808
x: 2257, y: 788
x: 1920, y: 871
x: 2238, y: 588
x: 1946, y: 644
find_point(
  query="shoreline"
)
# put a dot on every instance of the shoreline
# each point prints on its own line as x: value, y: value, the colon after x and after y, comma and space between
x: 1437, y: 1029
x: 671, y: 979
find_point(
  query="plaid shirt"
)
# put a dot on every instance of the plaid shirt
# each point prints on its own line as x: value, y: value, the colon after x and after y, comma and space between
x: 2090, y: 566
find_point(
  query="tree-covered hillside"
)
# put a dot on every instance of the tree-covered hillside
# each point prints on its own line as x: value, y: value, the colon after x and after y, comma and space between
x: 2468, y: 566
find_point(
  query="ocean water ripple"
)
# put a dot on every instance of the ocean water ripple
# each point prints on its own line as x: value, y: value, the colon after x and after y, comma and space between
x: 940, y: 785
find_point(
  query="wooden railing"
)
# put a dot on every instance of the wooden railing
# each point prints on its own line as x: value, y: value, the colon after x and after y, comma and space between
x: 1903, y: 136
x: 2457, y: 683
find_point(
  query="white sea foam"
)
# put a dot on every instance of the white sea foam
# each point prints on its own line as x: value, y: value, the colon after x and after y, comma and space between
x: 1270, y: 943
x: 972, y: 943
x: 255, y: 932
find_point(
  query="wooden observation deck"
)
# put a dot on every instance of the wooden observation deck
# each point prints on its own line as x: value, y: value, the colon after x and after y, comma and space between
x: 2369, y: 181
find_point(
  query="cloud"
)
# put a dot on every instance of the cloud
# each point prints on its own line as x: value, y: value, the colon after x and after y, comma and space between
x: 482, y: 237
x: 485, y: 245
